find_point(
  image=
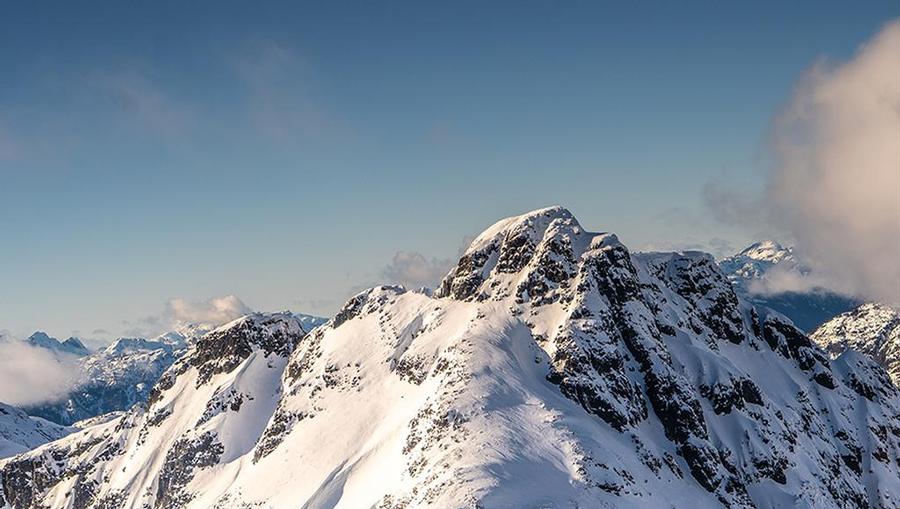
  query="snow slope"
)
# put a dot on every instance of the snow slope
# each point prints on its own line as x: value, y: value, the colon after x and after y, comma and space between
x: 872, y: 329
x: 552, y: 368
x: 19, y: 432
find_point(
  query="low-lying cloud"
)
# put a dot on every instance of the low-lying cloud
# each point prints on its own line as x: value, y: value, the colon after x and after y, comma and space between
x: 30, y: 375
x: 835, y: 185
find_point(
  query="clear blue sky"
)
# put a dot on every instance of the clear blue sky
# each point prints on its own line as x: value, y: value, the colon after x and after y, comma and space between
x: 285, y: 152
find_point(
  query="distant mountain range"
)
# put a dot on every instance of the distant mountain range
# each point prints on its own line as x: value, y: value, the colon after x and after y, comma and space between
x: 121, y: 375
x: 552, y: 368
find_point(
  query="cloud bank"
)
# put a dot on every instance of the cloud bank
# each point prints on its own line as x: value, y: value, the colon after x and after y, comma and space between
x: 179, y: 311
x: 835, y: 185
x: 31, y: 375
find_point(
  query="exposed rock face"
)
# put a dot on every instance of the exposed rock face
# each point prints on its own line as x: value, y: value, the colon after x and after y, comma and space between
x: 872, y: 329
x: 552, y: 368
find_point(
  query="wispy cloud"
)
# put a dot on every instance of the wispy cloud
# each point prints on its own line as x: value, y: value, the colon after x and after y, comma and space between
x: 143, y: 101
x: 414, y: 270
x: 280, y: 87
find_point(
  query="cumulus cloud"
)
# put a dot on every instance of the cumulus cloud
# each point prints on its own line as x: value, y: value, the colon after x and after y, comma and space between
x: 179, y: 311
x: 414, y: 270
x: 216, y: 310
x: 31, y: 375
x: 835, y: 185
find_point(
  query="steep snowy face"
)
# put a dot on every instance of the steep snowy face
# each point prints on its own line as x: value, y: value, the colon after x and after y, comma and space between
x: 552, y: 368
x: 20, y: 432
x: 209, y: 408
x: 765, y: 273
x: 872, y: 329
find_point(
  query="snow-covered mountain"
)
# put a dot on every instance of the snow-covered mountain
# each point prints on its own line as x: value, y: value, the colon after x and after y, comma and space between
x: 872, y: 329
x: 309, y: 322
x: 122, y: 374
x: 71, y: 346
x: 756, y: 272
x: 20, y: 432
x: 552, y: 368
x: 113, y: 379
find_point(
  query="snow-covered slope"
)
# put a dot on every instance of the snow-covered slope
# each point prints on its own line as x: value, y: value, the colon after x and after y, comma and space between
x: 764, y: 273
x: 872, y: 329
x: 19, y: 432
x: 552, y: 368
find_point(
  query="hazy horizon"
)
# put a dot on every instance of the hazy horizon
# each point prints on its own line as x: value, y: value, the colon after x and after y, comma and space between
x: 157, y: 159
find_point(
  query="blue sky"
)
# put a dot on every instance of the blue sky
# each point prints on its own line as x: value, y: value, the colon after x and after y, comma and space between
x: 285, y: 153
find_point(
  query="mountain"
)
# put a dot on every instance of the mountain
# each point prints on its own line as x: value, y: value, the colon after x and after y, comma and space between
x: 113, y: 379
x: 71, y: 346
x: 122, y: 374
x: 552, y: 368
x: 19, y: 432
x: 755, y: 273
x: 309, y: 322
x: 872, y: 329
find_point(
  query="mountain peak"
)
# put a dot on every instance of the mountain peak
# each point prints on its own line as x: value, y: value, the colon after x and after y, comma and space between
x: 525, y: 254
x: 872, y: 329
x: 768, y: 251
x: 72, y: 345
x: 535, y: 221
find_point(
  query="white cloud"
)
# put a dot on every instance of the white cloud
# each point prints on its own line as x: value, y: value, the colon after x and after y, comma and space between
x: 179, y: 311
x: 836, y: 184
x: 413, y: 270
x: 31, y: 375
x: 216, y: 310
x: 834, y: 189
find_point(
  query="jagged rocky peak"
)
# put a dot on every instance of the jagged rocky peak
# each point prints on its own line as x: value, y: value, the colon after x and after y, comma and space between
x: 872, y: 329
x: 527, y: 255
x: 72, y: 346
x: 226, y: 347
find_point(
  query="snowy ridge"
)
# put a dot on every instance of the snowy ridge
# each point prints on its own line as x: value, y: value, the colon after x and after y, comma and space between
x: 71, y: 346
x: 552, y: 368
x: 20, y: 432
x: 872, y: 329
